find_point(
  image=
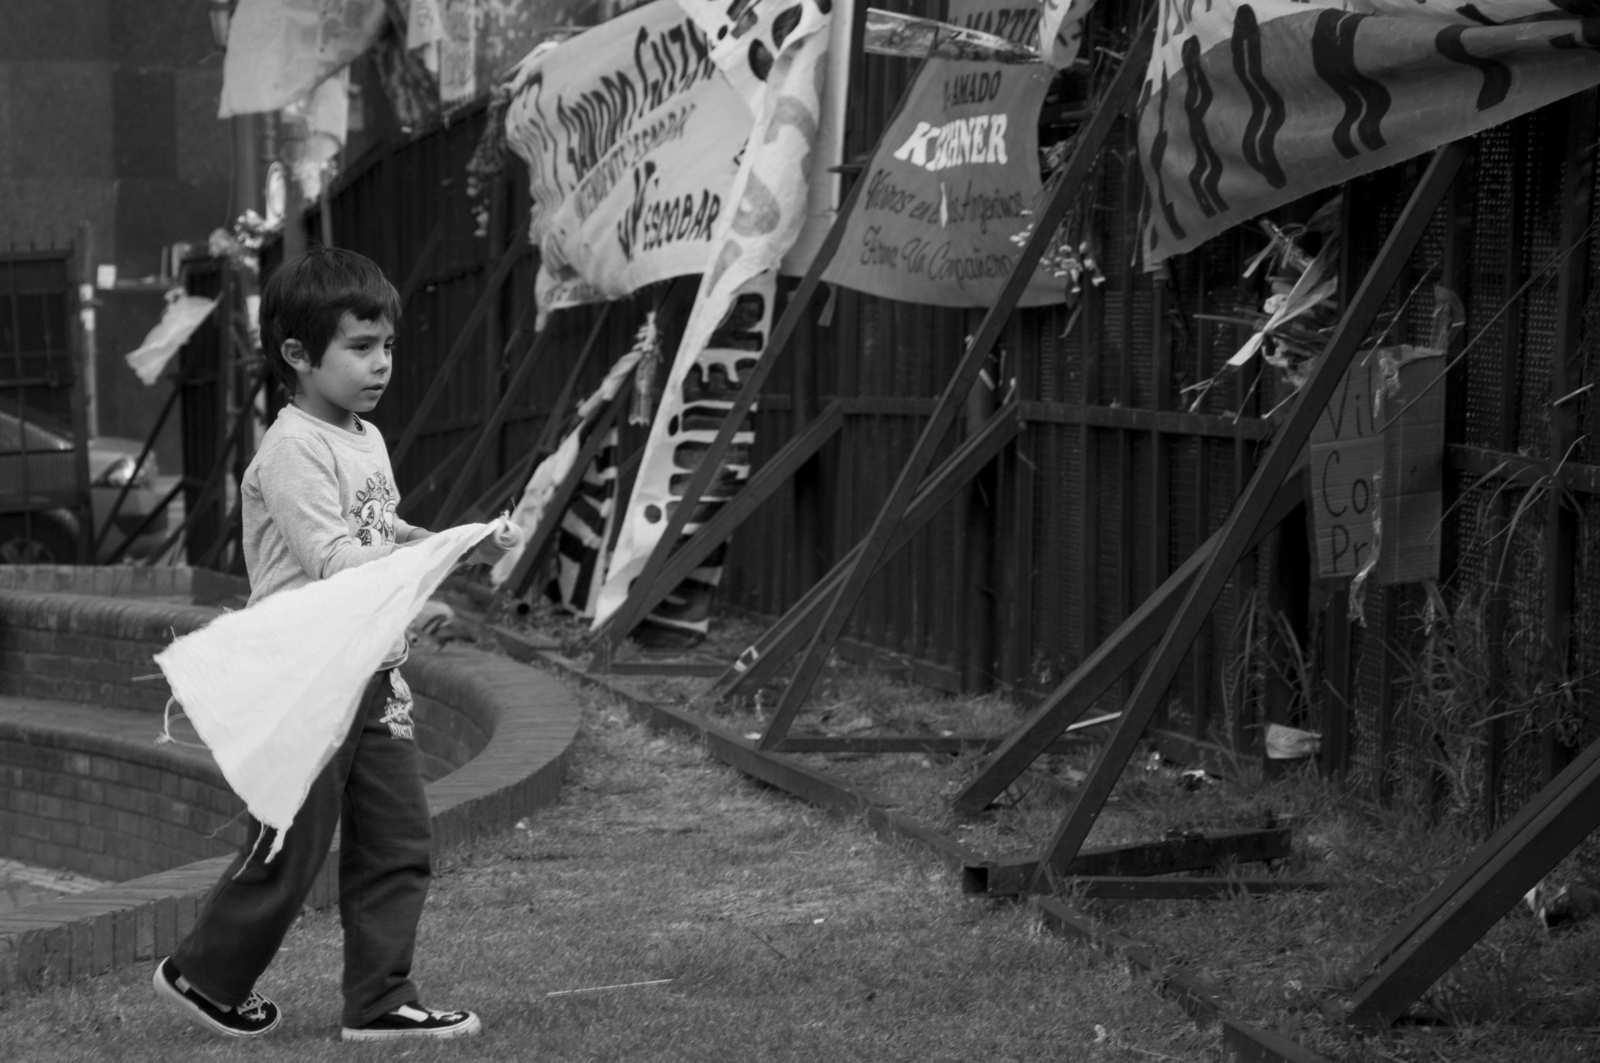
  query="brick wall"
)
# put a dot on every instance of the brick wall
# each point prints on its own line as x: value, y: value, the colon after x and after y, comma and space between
x: 90, y: 791
x: 88, y: 634
x: 87, y: 788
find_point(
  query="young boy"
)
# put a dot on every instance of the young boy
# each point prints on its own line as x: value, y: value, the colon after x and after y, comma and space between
x: 319, y: 498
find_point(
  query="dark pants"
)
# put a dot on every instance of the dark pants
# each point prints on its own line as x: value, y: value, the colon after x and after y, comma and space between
x: 372, y: 791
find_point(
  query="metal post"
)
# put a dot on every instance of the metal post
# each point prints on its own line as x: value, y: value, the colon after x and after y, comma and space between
x: 83, y: 388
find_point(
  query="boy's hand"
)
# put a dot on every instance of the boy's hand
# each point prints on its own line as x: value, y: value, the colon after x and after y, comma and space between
x: 505, y: 538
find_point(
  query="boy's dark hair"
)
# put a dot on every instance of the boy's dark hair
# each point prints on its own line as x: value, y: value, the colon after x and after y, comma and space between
x: 306, y: 297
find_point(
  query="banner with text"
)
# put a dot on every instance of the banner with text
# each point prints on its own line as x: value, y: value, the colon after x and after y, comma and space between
x: 1247, y: 106
x: 778, y: 50
x: 632, y: 136
x: 948, y: 190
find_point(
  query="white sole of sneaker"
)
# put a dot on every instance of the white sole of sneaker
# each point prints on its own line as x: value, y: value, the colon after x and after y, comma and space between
x: 185, y: 1007
x: 466, y: 1029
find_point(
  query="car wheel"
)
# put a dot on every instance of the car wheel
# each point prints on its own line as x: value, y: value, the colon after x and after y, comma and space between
x: 36, y: 540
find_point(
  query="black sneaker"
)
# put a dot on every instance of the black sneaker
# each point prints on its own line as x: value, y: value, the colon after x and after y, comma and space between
x: 414, y: 1020
x: 254, y: 1017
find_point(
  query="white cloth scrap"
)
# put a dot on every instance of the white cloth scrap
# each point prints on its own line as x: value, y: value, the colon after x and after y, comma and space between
x: 279, y: 50
x: 272, y: 690
x: 181, y: 317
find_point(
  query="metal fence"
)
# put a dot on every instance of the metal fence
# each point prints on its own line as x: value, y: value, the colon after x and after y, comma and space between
x: 45, y: 507
x: 1115, y: 479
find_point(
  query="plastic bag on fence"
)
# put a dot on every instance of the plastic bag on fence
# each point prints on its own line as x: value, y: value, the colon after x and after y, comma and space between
x: 1291, y: 743
x: 178, y: 322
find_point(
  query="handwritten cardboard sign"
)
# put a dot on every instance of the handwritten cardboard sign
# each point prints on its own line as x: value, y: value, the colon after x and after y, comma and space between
x: 955, y: 179
x: 1377, y: 468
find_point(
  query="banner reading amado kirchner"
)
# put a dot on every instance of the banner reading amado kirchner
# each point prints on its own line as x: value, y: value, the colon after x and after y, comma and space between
x: 947, y: 191
x: 1247, y: 106
x: 631, y: 135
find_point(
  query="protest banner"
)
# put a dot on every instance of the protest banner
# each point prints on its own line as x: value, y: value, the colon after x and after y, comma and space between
x: 1247, y: 106
x: 949, y: 190
x: 777, y: 50
x: 632, y: 136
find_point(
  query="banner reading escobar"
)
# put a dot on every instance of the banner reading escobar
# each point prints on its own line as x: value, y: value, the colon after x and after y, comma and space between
x: 947, y: 190
x: 631, y: 135
x: 1247, y: 106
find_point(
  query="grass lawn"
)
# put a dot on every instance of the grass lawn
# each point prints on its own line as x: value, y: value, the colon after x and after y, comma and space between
x: 1520, y: 994
x: 787, y: 934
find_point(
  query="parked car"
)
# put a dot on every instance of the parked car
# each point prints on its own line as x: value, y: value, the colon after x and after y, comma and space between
x: 39, y: 502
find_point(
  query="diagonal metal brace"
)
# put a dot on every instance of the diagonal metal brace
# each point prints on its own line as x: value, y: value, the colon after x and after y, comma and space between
x: 1065, y: 192
x: 1130, y: 641
x: 1451, y: 919
x: 783, y: 639
x: 1282, y: 454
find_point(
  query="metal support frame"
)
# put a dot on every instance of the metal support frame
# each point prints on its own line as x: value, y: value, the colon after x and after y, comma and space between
x: 430, y: 483
x: 214, y: 479
x: 1451, y: 919
x: 716, y: 531
x: 1138, y: 887
x: 1247, y: 514
x: 550, y: 432
x: 550, y: 520
x: 81, y: 397
x: 949, y: 744
x: 486, y: 435
x: 420, y: 264
x: 783, y: 639
x: 1118, y: 653
x: 138, y: 466
x: 441, y: 378
x: 1191, y: 852
x: 1064, y: 193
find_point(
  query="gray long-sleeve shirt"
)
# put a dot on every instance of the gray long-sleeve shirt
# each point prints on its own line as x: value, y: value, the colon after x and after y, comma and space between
x: 316, y: 500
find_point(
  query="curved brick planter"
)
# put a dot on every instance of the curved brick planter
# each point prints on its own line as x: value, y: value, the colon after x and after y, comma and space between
x: 86, y: 788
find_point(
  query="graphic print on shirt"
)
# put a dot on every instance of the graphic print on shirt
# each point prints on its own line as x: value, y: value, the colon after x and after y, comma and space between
x: 397, y: 710
x: 374, y: 510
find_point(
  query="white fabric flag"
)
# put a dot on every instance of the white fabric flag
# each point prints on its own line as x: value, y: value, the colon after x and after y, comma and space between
x: 178, y: 322
x: 279, y: 50
x: 272, y: 690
